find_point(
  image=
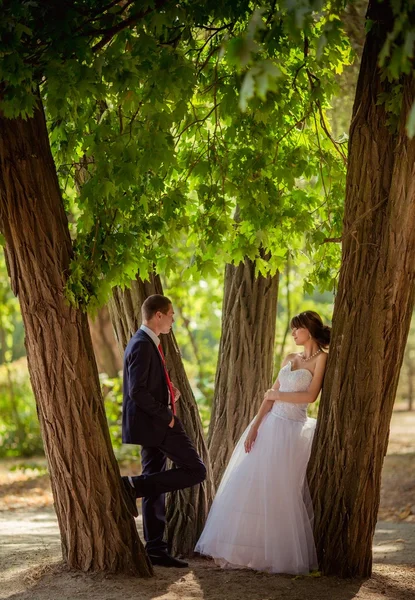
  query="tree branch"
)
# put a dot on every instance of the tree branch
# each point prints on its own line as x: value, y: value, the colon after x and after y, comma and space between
x: 335, y: 240
x: 197, y: 121
x: 328, y: 134
x: 216, y: 29
x: 284, y: 135
x: 128, y: 22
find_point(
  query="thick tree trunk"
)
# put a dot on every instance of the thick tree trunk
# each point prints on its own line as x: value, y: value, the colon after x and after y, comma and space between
x: 370, y: 324
x: 186, y: 509
x: 104, y: 343
x: 97, y: 532
x: 244, y: 371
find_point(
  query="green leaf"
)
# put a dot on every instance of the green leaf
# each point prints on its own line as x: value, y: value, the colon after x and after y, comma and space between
x: 368, y: 25
x: 247, y: 89
x: 410, y: 124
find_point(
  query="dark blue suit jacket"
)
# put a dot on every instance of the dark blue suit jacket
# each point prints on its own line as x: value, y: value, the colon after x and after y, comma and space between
x: 145, y: 412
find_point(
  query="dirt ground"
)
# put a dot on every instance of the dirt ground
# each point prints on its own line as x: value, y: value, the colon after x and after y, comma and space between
x: 31, y: 568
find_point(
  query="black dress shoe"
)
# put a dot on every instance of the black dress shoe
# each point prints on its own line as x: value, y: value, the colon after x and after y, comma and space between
x: 163, y: 559
x: 129, y: 496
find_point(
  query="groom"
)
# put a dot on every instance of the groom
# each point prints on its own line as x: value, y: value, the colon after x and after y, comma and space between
x: 149, y: 419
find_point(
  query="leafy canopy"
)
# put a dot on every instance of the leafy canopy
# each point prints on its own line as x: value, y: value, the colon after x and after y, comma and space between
x: 153, y: 152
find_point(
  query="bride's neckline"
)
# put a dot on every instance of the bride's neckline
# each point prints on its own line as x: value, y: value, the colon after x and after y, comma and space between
x: 295, y: 370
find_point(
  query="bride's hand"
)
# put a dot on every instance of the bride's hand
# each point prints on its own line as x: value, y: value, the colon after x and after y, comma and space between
x: 250, y: 439
x: 271, y: 395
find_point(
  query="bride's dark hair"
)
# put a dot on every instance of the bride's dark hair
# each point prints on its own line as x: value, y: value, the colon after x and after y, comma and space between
x: 313, y: 322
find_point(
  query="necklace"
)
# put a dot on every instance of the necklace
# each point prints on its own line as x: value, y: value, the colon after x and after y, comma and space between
x: 304, y: 359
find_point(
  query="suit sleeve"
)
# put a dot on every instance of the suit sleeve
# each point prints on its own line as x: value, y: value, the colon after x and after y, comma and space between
x: 138, y: 371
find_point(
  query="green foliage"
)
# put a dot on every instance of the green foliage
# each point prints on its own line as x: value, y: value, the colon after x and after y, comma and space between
x: 30, y: 468
x: 19, y: 425
x: 148, y: 136
x: 411, y: 122
x: 11, y: 329
x: 266, y: 177
x: 397, y: 59
x: 112, y: 393
x: 397, y: 54
x: 143, y: 107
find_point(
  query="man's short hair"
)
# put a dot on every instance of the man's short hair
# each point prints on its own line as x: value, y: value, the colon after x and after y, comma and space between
x: 154, y: 304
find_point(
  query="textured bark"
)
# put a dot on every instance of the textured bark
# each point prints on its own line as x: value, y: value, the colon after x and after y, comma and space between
x: 96, y: 531
x: 104, y: 343
x: 186, y: 509
x: 245, y: 362
x: 370, y: 323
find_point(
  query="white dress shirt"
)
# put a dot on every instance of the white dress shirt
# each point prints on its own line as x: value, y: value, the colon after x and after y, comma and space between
x: 151, y: 334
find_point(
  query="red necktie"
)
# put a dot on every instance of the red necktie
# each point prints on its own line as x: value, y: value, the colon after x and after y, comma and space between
x: 169, y: 384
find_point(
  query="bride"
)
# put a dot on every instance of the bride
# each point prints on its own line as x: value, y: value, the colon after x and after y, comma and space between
x: 262, y: 515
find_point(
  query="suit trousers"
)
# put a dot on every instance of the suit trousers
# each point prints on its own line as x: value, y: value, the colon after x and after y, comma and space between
x: 156, y: 480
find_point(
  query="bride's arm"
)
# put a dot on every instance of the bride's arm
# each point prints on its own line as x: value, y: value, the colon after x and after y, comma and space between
x: 268, y: 402
x: 303, y: 397
x: 263, y: 410
x: 265, y: 406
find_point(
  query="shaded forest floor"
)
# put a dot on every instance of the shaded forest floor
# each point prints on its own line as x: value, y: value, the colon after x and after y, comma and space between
x: 30, y: 566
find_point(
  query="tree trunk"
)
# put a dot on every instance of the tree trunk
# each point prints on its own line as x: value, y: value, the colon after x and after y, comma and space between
x: 370, y: 323
x: 104, y: 343
x: 245, y: 362
x: 97, y: 532
x: 186, y: 509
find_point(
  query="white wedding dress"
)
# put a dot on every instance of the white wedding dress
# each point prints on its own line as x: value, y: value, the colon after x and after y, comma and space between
x: 261, y: 517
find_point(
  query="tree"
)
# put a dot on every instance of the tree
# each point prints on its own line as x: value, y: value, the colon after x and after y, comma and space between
x: 96, y: 530
x: 373, y: 306
x: 186, y: 509
x: 245, y: 357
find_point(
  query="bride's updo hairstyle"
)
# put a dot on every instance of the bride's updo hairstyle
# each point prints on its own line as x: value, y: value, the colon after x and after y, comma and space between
x: 313, y: 322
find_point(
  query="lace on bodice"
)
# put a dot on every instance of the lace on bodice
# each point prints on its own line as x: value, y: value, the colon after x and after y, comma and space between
x: 292, y: 381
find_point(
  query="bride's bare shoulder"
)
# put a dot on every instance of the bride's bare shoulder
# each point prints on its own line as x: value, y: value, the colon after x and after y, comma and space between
x: 322, y: 357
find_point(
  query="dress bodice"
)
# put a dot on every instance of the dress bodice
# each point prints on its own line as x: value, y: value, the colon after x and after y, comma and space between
x: 292, y: 381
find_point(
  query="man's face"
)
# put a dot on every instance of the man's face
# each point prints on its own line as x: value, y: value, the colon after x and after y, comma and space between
x: 165, y: 321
